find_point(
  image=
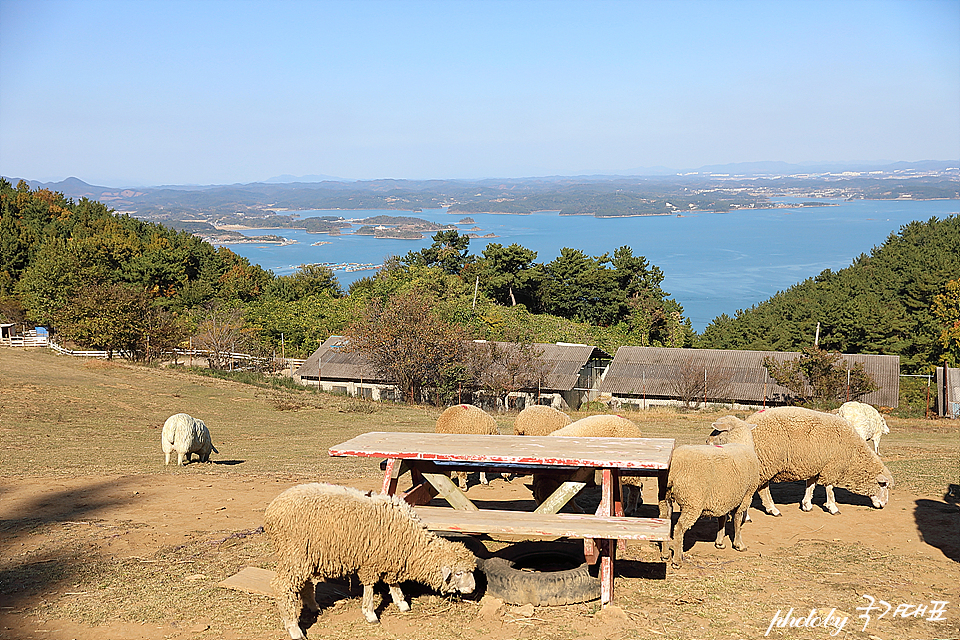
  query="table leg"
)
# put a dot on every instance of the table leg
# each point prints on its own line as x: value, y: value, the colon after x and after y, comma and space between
x: 610, y: 504
x: 608, y: 551
x: 610, y: 501
x: 391, y: 475
x: 422, y: 492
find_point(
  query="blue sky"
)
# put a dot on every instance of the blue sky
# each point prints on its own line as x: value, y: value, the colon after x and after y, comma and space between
x: 212, y: 92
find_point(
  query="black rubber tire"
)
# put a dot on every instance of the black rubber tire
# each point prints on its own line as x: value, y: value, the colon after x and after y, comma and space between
x: 510, y: 578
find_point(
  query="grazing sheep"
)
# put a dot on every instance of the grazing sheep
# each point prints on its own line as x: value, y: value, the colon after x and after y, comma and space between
x: 598, y: 426
x: 328, y: 531
x: 539, y: 420
x: 186, y: 435
x: 793, y: 443
x: 466, y: 418
x: 712, y: 480
x: 866, y: 421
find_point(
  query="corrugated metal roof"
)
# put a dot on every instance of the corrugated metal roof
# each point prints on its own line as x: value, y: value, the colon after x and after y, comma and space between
x: 564, y: 363
x: 331, y: 362
x: 653, y: 371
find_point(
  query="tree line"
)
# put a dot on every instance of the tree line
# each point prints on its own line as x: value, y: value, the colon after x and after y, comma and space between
x: 901, y: 299
x: 109, y: 281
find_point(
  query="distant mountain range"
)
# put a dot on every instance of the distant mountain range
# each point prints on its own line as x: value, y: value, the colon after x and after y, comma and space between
x: 76, y: 188
x: 785, y: 168
x: 711, y: 188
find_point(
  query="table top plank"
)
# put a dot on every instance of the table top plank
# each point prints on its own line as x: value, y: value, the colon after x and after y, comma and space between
x: 549, y: 525
x: 623, y: 453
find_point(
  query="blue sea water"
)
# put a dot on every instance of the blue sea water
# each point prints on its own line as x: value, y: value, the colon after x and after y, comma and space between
x: 712, y: 263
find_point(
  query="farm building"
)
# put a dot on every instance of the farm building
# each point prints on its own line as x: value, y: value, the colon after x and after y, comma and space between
x: 11, y: 337
x: 948, y: 392
x: 331, y: 368
x: 570, y: 373
x: 637, y: 377
x: 644, y: 376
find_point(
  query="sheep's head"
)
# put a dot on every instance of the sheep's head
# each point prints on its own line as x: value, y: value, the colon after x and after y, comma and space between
x: 456, y: 573
x: 873, y: 480
x: 457, y: 580
x: 730, y: 429
x: 885, y: 483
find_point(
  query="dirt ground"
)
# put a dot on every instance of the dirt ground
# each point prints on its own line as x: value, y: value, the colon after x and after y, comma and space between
x: 115, y: 553
x: 906, y: 554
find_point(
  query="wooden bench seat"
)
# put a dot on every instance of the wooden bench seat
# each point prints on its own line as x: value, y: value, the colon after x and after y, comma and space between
x: 544, y: 525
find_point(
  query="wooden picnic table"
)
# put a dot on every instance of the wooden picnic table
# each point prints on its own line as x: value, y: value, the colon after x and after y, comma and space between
x: 429, y: 458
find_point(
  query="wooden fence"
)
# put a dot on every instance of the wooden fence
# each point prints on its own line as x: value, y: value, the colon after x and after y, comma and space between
x: 238, y: 361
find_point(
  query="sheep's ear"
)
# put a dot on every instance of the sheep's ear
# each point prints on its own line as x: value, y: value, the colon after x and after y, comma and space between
x: 446, y: 572
x: 722, y: 424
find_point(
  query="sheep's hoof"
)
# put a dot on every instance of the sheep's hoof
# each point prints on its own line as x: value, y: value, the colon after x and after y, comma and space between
x: 834, y: 511
x: 719, y: 545
x: 403, y: 606
x: 806, y: 507
x: 371, y: 617
x: 740, y: 547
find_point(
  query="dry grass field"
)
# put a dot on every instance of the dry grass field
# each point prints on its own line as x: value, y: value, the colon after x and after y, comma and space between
x: 100, y: 540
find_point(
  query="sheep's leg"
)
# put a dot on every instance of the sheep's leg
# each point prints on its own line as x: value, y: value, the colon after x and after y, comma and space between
x: 666, y: 513
x: 308, y: 594
x: 739, y: 517
x: 721, y: 531
x: 397, y: 595
x: 831, y: 504
x: 168, y: 457
x: 289, y: 592
x: 181, y: 457
x: 687, y: 520
x: 807, y: 503
x: 767, y: 500
x: 483, y: 478
x: 366, y: 604
x: 461, y: 479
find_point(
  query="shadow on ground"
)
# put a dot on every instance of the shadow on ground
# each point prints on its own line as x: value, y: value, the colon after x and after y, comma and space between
x: 939, y: 522
x: 27, y: 571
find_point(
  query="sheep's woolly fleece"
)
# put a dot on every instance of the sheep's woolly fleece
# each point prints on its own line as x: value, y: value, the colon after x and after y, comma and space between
x: 539, y: 420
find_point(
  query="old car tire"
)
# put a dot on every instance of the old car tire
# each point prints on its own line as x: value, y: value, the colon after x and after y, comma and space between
x: 542, y: 574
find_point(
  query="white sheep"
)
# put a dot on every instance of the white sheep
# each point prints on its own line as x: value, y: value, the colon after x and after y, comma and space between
x: 866, y: 421
x: 712, y: 480
x: 186, y: 435
x: 794, y: 443
x: 598, y: 426
x: 328, y: 531
x: 466, y: 418
x: 539, y: 420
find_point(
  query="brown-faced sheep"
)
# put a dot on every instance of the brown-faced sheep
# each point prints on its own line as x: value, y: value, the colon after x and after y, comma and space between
x: 712, y: 480
x: 539, y: 420
x: 598, y: 426
x: 466, y: 418
x: 866, y: 421
x: 793, y: 443
x: 328, y: 531
x: 186, y: 435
